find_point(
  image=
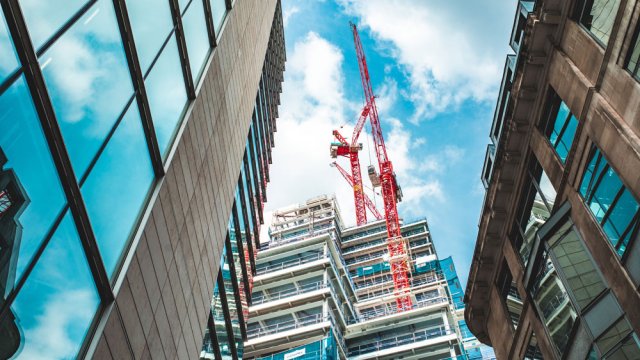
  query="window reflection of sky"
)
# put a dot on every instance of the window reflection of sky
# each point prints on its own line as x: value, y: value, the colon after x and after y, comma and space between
x: 195, y: 30
x: 44, y: 18
x: 9, y: 59
x: 25, y: 147
x: 88, y: 81
x: 55, y: 307
x: 166, y: 93
x: 117, y: 187
x: 218, y: 10
x: 151, y: 23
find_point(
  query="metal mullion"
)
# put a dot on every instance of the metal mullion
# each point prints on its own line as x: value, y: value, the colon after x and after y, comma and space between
x: 137, y: 78
x: 236, y: 286
x: 260, y: 156
x: 182, y: 49
x: 629, y: 230
x: 245, y: 219
x: 613, y: 204
x: 68, y: 24
x: 213, y: 335
x: 594, y: 152
x: 596, y: 184
x: 59, y: 154
x: 227, y: 317
x: 243, y: 266
x: 562, y: 130
x: 4, y: 309
x: 211, y: 29
x: 229, y: 5
x: 256, y: 182
x: 251, y: 206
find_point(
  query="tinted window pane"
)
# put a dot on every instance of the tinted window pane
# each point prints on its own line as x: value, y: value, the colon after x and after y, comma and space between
x: 195, y: 30
x: 29, y: 176
x: 598, y: 17
x: 44, y: 18
x: 151, y: 23
x: 218, y: 318
x: 553, y: 303
x: 634, y: 57
x: 620, y: 217
x: 9, y: 60
x: 167, y: 94
x: 583, y: 280
x: 89, y: 82
x: 56, y: 305
x: 119, y: 183
x: 219, y: 11
x: 604, y: 194
x: 630, y: 349
x: 231, y: 303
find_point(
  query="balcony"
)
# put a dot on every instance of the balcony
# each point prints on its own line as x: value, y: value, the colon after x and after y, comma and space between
x: 261, y: 270
x: 390, y: 309
x: 285, y: 326
x: 307, y: 288
x: 400, y: 340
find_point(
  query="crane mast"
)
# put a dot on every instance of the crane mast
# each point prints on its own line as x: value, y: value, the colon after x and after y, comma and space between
x: 396, y: 246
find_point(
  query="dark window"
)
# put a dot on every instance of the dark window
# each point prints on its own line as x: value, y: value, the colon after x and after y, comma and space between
x: 534, y: 209
x: 598, y: 17
x: 610, y: 202
x: 633, y: 62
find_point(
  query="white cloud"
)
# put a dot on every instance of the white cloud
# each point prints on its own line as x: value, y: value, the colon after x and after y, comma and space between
x: 288, y: 13
x: 439, y: 46
x: 55, y: 334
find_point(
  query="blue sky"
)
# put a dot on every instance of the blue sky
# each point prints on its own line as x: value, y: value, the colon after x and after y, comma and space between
x: 436, y: 68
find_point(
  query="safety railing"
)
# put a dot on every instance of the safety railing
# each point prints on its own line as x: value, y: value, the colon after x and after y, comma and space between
x: 287, y: 325
x: 553, y: 304
x: 380, y: 229
x: 289, y: 263
x: 263, y: 298
x: 283, y: 241
x: 422, y: 335
x: 365, y: 257
x: 390, y: 309
x: 366, y: 245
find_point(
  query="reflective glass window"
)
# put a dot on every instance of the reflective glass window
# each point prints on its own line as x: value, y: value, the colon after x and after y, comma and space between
x: 611, y: 203
x: 219, y: 11
x: 118, y: 184
x: 88, y: 81
x: 247, y: 200
x: 9, y: 60
x: 45, y: 18
x: 633, y: 63
x: 553, y: 304
x: 231, y: 302
x: 598, y: 17
x: 562, y: 131
x: 583, y: 280
x: 55, y: 307
x: 217, y: 311
x: 197, y: 37
x: 28, y: 176
x: 151, y: 24
x: 167, y: 94
x: 238, y: 263
x: 534, y: 209
x: 629, y: 349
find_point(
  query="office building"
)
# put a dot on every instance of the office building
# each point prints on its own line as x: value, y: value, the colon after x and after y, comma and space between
x: 325, y: 291
x: 556, y: 267
x: 131, y: 133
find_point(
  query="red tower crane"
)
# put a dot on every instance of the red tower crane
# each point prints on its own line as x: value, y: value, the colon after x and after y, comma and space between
x: 350, y: 150
x: 391, y: 193
x: 367, y: 201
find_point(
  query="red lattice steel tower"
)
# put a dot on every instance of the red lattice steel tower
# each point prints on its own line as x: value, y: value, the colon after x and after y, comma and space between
x: 398, y: 257
x: 350, y: 150
x: 367, y: 201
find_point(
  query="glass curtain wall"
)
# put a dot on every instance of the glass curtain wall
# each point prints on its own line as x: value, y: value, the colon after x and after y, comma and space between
x: 49, y: 281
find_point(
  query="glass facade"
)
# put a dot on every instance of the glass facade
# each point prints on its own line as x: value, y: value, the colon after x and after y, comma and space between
x: 598, y: 17
x: 610, y: 202
x: 102, y: 112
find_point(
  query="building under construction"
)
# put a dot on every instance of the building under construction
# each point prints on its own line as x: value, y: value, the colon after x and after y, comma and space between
x: 324, y: 291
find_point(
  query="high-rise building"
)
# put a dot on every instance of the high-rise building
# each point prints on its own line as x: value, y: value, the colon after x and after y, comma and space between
x: 325, y: 291
x: 556, y: 268
x: 135, y: 143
